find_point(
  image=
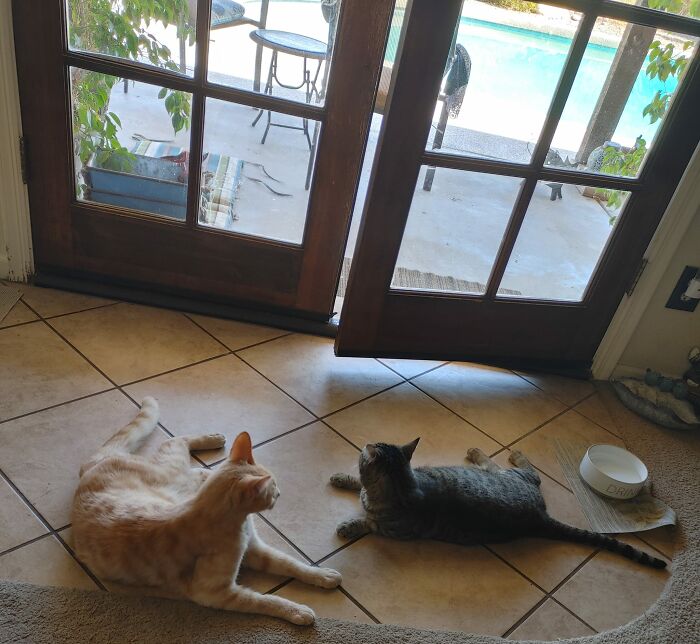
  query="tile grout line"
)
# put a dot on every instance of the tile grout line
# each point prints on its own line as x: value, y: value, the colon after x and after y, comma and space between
x: 283, y: 434
x: 245, y: 362
x: 578, y: 617
x: 650, y: 545
x: 551, y: 395
x: 282, y: 584
x: 288, y: 581
x: 81, y: 354
x: 92, y: 308
x: 340, y: 549
x: 26, y: 501
x: 357, y: 402
x: 337, y: 433
x: 366, y: 611
x: 316, y: 416
x: 455, y: 413
x: 87, y: 570
x: 594, y: 422
x: 283, y: 333
x: 540, y: 426
x: 548, y: 594
x: 175, y: 370
x: 417, y: 375
x: 60, y: 315
x: 14, y: 326
x: 51, y: 531
x: 50, y: 407
x: 525, y: 617
x: 19, y: 546
x: 273, y: 527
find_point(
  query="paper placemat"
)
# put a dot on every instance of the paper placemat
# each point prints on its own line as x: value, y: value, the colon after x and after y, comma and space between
x: 643, y: 512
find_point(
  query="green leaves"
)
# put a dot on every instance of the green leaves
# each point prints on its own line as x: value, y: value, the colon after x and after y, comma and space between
x: 623, y: 163
x: 665, y: 63
x: 120, y: 28
x: 178, y: 106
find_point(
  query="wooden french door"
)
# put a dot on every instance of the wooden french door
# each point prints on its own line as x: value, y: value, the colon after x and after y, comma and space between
x: 145, y: 168
x: 551, y: 273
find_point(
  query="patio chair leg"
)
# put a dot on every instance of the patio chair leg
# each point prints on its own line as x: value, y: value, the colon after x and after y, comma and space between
x: 268, y: 90
x: 312, y: 153
x: 556, y: 191
x: 267, y: 129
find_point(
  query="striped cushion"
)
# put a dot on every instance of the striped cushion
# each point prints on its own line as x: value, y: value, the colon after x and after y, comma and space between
x: 224, y: 12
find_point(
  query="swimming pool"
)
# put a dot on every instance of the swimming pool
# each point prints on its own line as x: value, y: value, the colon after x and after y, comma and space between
x: 515, y: 72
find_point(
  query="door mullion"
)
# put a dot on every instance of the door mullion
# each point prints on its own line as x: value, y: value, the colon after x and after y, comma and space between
x: 561, y: 95
x: 197, y: 118
x: 566, y: 81
x: 547, y: 173
x: 511, y: 234
x: 422, y: 52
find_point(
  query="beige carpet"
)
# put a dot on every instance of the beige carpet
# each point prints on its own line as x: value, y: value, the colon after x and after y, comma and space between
x: 38, y: 615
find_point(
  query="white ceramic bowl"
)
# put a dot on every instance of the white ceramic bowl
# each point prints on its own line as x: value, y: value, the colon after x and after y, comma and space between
x: 613, y: 471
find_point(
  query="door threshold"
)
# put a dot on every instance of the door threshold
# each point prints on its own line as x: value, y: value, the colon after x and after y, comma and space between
x: 135, y: 295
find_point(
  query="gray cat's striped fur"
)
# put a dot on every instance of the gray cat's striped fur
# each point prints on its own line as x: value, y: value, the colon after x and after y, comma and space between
x: 481, y: 503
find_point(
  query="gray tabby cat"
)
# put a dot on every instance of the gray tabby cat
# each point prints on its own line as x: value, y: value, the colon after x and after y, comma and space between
x: 482, y: 503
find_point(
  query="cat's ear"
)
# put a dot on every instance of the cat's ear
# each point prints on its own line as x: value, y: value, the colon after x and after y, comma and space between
x: 242, y: 449
x: 371, y: 450
x: 256, y: 485
x: 409, y: 448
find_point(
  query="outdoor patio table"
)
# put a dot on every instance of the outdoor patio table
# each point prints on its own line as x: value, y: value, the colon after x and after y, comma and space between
x: 294, y: 45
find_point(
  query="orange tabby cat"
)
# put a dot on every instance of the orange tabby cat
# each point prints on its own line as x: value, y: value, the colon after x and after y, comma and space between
x: 160, y: 522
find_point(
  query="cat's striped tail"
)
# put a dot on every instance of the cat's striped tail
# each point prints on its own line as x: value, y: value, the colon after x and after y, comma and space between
x: 129, y: 438
x: 554, y: 529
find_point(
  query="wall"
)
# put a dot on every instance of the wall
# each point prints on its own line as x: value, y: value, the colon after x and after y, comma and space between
x: 15, y: 236
x: 664, y: 336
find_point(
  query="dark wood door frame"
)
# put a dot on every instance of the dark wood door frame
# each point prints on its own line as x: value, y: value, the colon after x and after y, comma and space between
x: 380, y: 322
x: 85, y: 240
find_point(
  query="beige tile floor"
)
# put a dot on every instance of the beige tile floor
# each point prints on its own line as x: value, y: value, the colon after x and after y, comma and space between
x: 73, y: 368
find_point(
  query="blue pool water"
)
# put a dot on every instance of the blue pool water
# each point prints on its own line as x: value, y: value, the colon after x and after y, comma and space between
x: 514, y: 75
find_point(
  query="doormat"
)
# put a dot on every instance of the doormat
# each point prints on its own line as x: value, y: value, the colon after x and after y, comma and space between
x: 642, y: 512
x: 8, y: 298
x: 409, y: 278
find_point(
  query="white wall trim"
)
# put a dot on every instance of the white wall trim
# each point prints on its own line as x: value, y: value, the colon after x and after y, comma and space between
x: 16, y: 257
x: 683, y: 208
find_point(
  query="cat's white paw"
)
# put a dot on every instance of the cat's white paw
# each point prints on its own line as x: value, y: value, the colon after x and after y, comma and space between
x: 217, y: 440
x: 301, y: 615
x: 328, y: 578
x: 516, y: 458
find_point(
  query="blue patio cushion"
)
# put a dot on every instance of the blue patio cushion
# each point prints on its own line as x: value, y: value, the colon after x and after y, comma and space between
x: 225, y: 12
x: 221, y: 175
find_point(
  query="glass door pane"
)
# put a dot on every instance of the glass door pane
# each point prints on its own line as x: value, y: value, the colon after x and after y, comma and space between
x: 454, y: 231
x: 130, y: 149
x: 561, y: 241
x: 627, y: 81
x: 500, y: 78
x: 278, y: 47
x: 251, y: 186
x: 159, y: 34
